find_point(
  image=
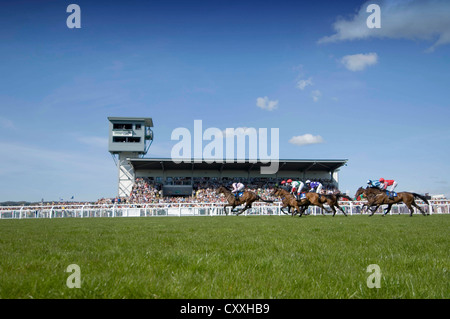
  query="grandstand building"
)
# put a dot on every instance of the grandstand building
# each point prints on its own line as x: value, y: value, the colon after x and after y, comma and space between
x: 178, y: 178
x: 131, y: 137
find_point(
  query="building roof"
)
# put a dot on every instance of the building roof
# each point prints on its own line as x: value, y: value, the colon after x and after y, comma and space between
x: 284, y: 165
x: 148, y: 120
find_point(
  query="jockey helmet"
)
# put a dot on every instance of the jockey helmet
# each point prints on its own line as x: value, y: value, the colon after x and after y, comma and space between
x: 283, y: 182
x: 308, y: 181
x: 382, y: 180
x: 289, y: 180
x: 369, y: 182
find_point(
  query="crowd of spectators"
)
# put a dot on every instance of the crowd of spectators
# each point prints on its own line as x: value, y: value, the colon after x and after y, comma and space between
x: 150, y: 191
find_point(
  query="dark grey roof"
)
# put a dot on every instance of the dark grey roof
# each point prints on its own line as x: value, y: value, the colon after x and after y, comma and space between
x: 284, y: 165
x: 148, y: 120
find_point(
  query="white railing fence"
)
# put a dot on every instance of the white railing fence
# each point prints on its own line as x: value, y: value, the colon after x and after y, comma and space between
x: 191, y: 209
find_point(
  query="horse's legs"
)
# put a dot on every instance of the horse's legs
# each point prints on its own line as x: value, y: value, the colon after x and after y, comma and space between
x: 294, y: 211
x: 289, y: 211
x: 242, y: 210
x: 298, y: 211
x: 340, y: 208
x: 333, y: 209
x: 419, y: 208
x: 362, y: 208
x: 411, y: 209
x: 323, y: 208
x: 282, y: 210
x: 302, y: 210
x: 247, y: 206
x: 225, y: 208
x: 365, y: 207
x: 388, y: 209
x: 373, y: 210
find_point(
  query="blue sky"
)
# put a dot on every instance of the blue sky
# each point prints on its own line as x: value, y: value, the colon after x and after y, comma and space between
x: 377, y: 97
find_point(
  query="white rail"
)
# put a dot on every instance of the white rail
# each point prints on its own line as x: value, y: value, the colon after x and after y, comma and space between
x: 189, y: 209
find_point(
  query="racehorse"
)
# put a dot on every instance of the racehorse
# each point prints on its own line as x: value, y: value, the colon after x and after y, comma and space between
x: 310, y: 199
x: 288, y: 200
x: 368, y: 193
x: 332, y: 201
x: 376, y: 197
x: 247, y: 198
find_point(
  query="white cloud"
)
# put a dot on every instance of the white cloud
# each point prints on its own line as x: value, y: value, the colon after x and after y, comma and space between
x: 413, y: 19
x: 302, y: 84
x: 266, y: 104
x: 306, y: 139
x: 358, y: 62
x: 316, y: 94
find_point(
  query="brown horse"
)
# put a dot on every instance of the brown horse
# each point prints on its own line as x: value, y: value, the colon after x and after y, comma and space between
x: 310, y: 199
x: 333, y: 201
x: 376, y: 197
x: 288, y: 200
x: 368, y: 193
x: 247, y: 198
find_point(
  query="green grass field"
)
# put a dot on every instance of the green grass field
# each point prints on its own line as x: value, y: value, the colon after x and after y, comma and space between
x: 226, y: 257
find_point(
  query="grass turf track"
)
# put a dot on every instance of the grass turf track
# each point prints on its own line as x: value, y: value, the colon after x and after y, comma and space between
x: 226, y: 257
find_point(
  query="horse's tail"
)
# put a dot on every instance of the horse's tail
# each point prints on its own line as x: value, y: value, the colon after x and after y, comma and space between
x: 421, y: 197
x: 264, y: 200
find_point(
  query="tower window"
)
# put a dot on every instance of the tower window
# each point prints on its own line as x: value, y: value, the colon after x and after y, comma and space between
x: 126, y: 139
x: 121, y: 126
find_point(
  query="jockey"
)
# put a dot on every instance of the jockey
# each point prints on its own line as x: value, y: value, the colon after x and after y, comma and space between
x: 314, y: 185
x: 294, y: 187
x: 285, y: 186
x: 373, y: 183
x: 297, y: 187
x: 237, y: 187
x: 384, y: 183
